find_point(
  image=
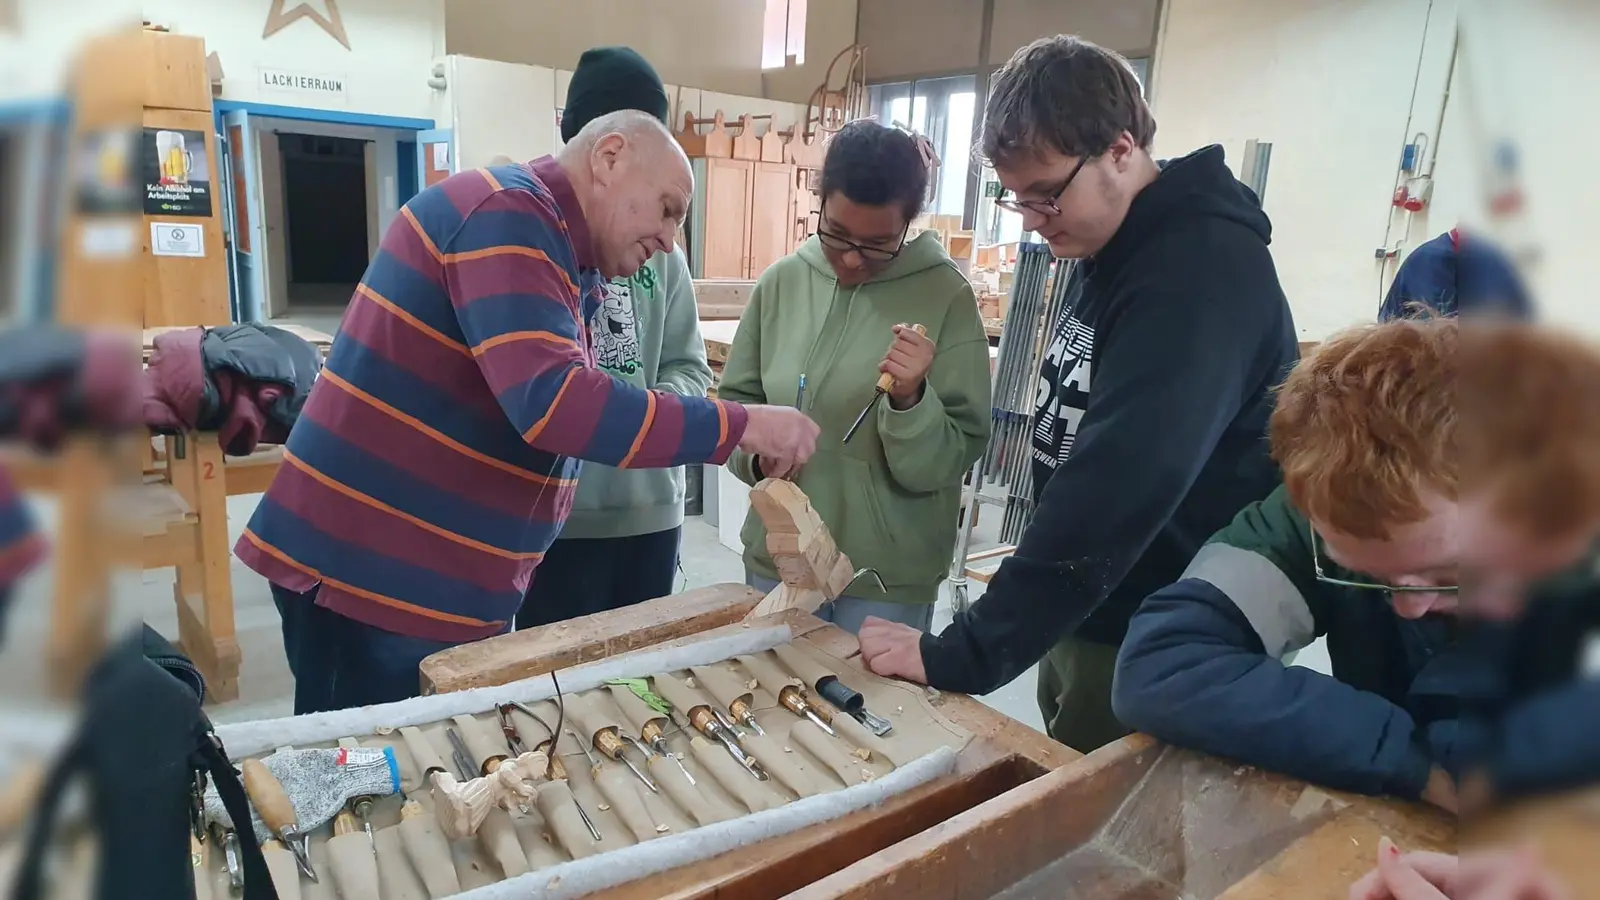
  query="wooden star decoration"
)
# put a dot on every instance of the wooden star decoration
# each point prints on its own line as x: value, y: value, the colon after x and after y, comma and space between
x: 332, y: 23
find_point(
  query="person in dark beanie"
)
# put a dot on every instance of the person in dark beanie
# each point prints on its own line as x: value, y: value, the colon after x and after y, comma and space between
x: 620, y: 543
x: 1155, y: 389
x: 608, y: 79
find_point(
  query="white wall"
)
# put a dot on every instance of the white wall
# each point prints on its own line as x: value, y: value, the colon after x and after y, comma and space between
x: 1338, y: 86
x: 501, y: 108
x: 393, y: 46
x: 510, y: 108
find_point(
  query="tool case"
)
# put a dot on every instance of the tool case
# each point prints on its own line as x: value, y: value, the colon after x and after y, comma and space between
x: 143, y: 752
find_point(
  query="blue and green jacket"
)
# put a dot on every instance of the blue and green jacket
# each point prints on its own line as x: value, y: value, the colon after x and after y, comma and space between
x: 1204, y: 666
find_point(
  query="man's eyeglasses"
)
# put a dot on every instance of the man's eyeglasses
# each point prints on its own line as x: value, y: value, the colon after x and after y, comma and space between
x: 1051, y: 207
x: 1316, y: 566
x: 843, y: 244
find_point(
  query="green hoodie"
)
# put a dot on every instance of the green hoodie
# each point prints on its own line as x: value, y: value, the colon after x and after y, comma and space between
x: 892, y: 495
x: 647, y: 333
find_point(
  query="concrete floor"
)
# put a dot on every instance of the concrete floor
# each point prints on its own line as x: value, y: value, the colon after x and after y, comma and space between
x: 266, y: 689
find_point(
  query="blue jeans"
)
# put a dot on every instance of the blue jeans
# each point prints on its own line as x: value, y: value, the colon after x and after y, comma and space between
x: 339, y: 663
x: 848, y: 612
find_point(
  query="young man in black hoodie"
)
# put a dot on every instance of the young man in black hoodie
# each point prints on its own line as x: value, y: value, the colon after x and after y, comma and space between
x: 1149, y: 434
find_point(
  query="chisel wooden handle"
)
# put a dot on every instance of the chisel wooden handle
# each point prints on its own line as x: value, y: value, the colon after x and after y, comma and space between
x: 268, y: 797
x: 886, y: 381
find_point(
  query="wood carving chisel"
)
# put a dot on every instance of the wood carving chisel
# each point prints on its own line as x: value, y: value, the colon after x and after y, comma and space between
x: 277, y: 813
x: 558, y: 771
x: 884, y: 386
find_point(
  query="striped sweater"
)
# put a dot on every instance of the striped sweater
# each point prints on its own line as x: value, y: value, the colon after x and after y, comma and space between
x: 438, y: 454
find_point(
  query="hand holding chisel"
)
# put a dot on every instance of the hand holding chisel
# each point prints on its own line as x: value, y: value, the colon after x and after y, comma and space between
x: 905, y: 368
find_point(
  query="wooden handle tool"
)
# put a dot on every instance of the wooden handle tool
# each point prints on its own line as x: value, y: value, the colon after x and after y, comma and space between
x: 272, y: 804
x: 884, y: 386
x: 351, y: 856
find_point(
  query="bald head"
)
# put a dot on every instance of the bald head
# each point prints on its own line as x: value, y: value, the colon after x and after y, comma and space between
x: 634, y: 183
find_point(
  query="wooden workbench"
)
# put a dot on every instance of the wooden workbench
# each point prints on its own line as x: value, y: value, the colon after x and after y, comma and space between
x: 1017, y: 800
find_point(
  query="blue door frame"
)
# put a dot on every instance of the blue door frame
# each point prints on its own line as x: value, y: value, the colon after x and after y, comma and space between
x: 254, y: 307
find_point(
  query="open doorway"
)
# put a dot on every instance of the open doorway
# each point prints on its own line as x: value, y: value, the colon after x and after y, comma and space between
x: 326, y: 223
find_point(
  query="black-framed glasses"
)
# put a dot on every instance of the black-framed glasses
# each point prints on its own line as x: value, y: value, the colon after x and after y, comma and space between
x: 1316, y: 566
x: 843, y: 244
x: 1051, y: 207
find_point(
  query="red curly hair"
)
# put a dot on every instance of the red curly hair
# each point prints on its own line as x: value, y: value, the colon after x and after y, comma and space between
x: 1531, y: 425
x: 1366, y: 425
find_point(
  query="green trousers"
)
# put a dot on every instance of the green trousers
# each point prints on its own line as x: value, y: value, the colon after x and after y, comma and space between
x: 1075, y: 694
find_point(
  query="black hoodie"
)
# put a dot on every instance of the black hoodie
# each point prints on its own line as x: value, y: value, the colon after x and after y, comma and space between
x: 1150, y: 433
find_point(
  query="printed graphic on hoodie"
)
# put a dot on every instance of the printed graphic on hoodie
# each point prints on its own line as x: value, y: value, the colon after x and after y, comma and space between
x: 1063, y: 393
x: 616, y: 340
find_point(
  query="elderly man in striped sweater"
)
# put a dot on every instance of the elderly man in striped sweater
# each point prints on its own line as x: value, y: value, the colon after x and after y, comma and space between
x: 438, y: 455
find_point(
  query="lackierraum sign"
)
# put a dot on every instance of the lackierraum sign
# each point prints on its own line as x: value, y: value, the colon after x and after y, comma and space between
x: 321, y: 85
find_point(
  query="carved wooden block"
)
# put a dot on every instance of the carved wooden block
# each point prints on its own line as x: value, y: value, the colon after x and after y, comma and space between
x: 809, y: 563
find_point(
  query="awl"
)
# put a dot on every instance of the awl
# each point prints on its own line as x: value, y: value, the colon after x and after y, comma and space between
x: 885, y: 385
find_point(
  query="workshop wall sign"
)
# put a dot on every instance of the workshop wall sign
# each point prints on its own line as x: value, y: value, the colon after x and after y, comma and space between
x: 177, y: 173
x: 321, y: 85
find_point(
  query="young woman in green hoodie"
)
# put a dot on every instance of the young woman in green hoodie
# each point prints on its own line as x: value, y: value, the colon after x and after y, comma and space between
x: 833, y: 316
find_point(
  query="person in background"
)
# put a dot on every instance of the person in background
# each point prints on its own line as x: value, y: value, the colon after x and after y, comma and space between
x: 1154, y: 393
x: 619, y: 545
x: 438, y: 454
x: 21, y: 546
x: 1360, y: 545
x: 1456, y: 273
x: 824, y: 316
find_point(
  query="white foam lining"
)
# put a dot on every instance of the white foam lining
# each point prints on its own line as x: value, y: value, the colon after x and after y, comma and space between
x: 598, y: 873
x: 250, y: 738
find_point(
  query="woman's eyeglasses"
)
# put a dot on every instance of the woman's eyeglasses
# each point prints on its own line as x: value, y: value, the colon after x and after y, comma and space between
x: 1051, y: 207
x: 843, y: 244
x: 1316, y: 566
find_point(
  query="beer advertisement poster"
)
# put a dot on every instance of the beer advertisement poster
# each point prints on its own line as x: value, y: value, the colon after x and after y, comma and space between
x: 177, y: 173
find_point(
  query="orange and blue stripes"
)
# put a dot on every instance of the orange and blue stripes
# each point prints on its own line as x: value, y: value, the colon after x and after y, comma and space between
x: 437, y: 457
x: 21, y: 547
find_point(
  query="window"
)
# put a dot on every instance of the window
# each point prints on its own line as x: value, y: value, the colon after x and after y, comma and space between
x: 945, y: 110
x: 783, y: 34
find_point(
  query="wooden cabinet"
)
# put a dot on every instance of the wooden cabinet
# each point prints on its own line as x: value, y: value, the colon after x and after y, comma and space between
x: 728, y: 194
x: 743, y: 219
x: 771, y: 204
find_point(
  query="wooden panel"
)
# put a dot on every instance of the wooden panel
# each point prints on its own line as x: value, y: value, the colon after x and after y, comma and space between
x: 183, y: 290
x: 771, y: 211
x: 524, y: 654
x: 175, y: 72
x: 241, y: 190
x: 728, y: 195
x: 722, y: 298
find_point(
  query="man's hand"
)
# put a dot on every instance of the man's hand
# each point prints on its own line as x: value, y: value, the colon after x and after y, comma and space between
x: 774, y: 469
x: 892, y: 650
x: 908, y: 360
x: 1441, y: 791
x: 784, y: 438
x: 1439, y: 876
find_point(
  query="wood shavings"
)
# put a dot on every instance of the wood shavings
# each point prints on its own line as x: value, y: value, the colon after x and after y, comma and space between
x: 604, y: 807
x: 690, y: 682
x: 866, y: 776
x: 932, y: 694
x: 663, y: 829
x: 862, y: 754
x: 553, y: 882
x: 752, y: 684
x: 383, y: 730
x: 900, y: 709
x: 788, y: 749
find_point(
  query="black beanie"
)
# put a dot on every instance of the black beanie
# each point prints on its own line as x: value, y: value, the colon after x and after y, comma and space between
x: 608, y: 80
